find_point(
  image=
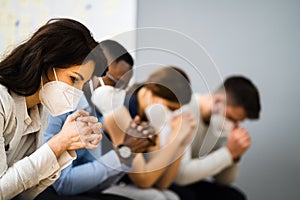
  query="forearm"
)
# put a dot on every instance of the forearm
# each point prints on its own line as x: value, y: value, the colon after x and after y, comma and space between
x: 58, y: 145
x: 159, y: 158
x: 82, y: 178
x: 168, y: 177
x: 228, y: 175
x: 194, y: 170
x: 28, y: 172
x: 79, y: 179
x: 146, y: 174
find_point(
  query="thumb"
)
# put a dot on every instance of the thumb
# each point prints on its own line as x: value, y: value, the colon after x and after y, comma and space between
x: 137, y: 119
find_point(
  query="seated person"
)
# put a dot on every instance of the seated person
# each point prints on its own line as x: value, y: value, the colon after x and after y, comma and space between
x: 220, y: 114
x: 167, y: 88
x: 95, y: 170
x: 47, y: 63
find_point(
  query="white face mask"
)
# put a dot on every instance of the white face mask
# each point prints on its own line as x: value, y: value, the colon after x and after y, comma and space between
x: 59, y: 97
x: 107, y: 98
x: 158, y: 115
x: 220, y: 126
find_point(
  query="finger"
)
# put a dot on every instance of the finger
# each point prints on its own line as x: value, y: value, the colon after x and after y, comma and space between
x: 145, y: 124
x: 96, y: 128
x: 84, y: 132
x: 91, y: 146
x: 133, y: 124
x: 139, y: 128
x: 149, y: 131
x: 76, y: 114
x: 152, y: 139
x: 244, y: 139
x: 92, y: 137
x: 137, y: 119
x: 87, y: 119
x: 97, y: 140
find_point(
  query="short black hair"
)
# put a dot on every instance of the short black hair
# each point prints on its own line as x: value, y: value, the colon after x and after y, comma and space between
x: 242, y: 92
x: 116, y: 51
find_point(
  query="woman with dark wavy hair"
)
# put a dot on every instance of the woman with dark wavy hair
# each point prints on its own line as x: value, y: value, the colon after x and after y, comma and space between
x: 48, y: 70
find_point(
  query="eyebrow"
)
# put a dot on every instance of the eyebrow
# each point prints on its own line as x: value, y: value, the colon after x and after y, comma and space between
x: 81, y: 77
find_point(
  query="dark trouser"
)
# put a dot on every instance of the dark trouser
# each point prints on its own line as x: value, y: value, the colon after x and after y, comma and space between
x: 49, y: 193
x: 207, y: 190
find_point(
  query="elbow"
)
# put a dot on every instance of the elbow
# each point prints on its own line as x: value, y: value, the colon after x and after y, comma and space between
x: 162, y: 186
x: 181, y: 181
x: 63, y: 187
x: 142, y: 181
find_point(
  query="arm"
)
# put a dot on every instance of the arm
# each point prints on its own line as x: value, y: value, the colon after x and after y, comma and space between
x: 167, y: 178
x: 147, y: 174
x: 81, y: 178
x: 228, y: 175
x: 197, y: 169
x: 167, y: 158
x: 116, y: 125
x: 28, y: 171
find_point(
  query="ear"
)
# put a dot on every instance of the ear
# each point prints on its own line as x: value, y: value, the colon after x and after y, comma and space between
x: 218, y: 98
x: 219, y: 103
x: 148, y: 93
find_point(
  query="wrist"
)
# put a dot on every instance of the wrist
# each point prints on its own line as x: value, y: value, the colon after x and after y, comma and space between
x: 236, y: 160
x: 125, y: 155
x: 232, y: 153
x: 57, y: 145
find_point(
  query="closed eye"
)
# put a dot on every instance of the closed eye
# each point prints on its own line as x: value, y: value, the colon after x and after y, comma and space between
x: 74, y: 79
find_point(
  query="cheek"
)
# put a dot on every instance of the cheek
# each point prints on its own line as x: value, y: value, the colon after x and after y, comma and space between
x: 78, y: 85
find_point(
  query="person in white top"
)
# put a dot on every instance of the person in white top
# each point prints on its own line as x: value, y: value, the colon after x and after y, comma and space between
x: 212, y: 161
x: 48, y: 70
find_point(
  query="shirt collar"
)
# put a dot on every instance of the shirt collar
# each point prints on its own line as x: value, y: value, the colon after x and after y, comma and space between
x: 31, y: 117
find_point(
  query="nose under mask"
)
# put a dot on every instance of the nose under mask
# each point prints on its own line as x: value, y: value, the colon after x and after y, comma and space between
x: 107, y: 98
x: 58, y: 97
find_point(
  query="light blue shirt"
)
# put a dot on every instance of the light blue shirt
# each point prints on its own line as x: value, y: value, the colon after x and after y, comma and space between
x: 90, y: 169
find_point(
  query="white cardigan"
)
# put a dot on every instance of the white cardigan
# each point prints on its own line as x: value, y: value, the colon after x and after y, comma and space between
x: 26, y: 167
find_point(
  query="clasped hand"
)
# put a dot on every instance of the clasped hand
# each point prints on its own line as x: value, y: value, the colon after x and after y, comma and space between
x: 139, y: 136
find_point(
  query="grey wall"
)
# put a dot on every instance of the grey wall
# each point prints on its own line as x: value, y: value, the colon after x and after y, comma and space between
x: 259, y: 39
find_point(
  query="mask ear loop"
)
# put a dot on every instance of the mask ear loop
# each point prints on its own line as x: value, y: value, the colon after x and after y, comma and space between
x: 91, y: 86
x: 42, y: 83
x: 55, y: 74
x: 93, y: 107
x: 101, y: 81
x: 56, y: 79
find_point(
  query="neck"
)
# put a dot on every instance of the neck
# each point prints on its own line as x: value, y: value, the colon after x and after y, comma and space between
x: 107, y: 81
x: 205, y: 106
x: 140, y: 95
x: 32, y: 100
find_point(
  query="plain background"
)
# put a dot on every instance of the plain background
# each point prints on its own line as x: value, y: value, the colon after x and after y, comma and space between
x: 258, y: 39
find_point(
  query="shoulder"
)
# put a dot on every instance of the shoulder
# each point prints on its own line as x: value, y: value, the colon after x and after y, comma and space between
x: 6, y: 101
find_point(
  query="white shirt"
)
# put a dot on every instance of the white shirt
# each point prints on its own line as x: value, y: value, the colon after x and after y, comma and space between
x: 206, y: 157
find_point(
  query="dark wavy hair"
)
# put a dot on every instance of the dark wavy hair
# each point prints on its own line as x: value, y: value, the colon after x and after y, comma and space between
x: 60, y: 43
